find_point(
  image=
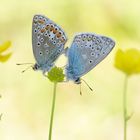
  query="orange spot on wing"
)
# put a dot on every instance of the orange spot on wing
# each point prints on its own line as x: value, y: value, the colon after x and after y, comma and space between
x: 42, y: 30
x: 54, y: 31
x: 58, y: 34
x: 47, y: 27
x: 52, y: 28
x: 62, y: 39
x: 41, y: 21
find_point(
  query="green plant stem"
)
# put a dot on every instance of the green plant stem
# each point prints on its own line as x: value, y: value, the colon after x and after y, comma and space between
x: 125, y: 107
x: 52, y: 111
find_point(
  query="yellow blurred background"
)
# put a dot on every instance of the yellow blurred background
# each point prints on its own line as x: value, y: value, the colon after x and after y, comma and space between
x: 26, y: 98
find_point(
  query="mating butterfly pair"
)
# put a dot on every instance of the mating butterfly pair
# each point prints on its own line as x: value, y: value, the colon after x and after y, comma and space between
x: 86, y: 51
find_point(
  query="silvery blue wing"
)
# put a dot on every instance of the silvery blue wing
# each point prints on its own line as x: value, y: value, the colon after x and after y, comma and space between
x: 86, y: 51
x: 48, y: 41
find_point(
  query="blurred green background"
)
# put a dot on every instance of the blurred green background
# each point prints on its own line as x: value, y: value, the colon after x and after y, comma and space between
x: 26, y: 98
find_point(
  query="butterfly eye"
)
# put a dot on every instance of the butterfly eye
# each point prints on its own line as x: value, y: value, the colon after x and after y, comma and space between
x: 35, y: 67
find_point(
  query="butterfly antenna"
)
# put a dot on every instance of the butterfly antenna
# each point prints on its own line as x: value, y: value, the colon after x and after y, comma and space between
x: 87, y: 84
x: 27, y: 68
x: 24, y: 63
x: 80, y: 89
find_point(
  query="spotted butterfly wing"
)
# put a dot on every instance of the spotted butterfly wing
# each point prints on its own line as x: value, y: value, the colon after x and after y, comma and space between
x: 48, y: 41
x: 86, y: 51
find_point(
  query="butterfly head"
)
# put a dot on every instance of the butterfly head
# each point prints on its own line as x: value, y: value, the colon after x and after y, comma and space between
x: 77, y: 81
x: 36, y: 67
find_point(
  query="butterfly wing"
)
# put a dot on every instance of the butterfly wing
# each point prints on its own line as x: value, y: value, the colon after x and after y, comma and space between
x: 86, y: 51
x: 48, y: 40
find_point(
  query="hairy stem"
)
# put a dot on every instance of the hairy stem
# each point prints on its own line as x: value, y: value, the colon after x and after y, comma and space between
x: 52, y: 112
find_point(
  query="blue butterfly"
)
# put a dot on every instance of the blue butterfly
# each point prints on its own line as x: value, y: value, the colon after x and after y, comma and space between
x: 48, y: 41
x: 86, y: 51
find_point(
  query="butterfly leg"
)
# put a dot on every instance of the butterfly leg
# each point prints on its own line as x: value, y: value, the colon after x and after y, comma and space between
x: 44, y: 73
x: 80, y: 89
